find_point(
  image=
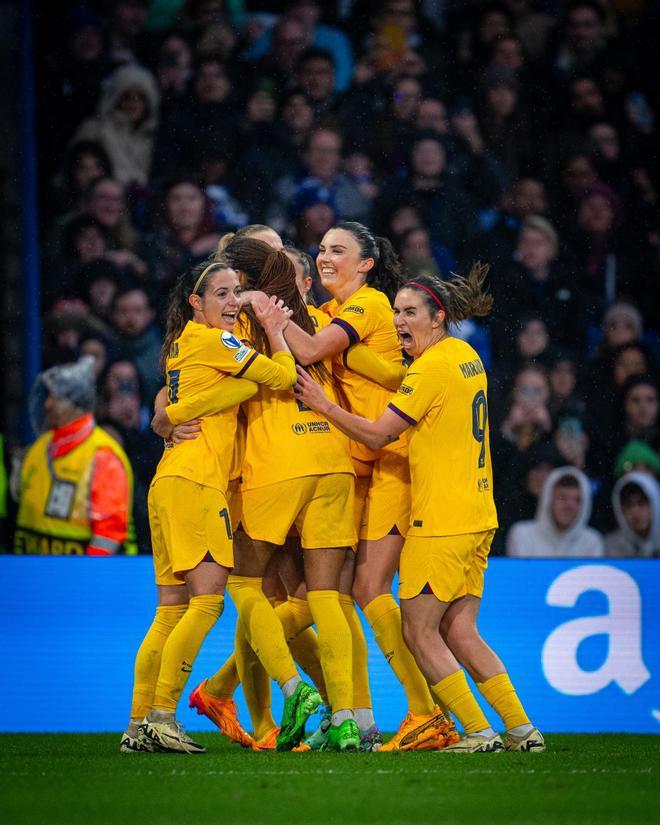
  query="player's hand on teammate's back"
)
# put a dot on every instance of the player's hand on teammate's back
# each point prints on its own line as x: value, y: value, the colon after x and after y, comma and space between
x: 309, y: 392
x: 187, y: 431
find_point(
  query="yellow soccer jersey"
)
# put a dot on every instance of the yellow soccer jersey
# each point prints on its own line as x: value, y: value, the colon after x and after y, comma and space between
x: 443, y: 398
x: 198, y: 361
x: 366, y: 316
x: 286, y: 440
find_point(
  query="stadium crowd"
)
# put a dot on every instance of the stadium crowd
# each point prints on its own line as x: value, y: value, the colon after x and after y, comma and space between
x: 519, y: 133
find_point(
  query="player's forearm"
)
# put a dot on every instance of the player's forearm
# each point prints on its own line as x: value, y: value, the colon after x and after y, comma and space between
x: 278, y: 372
x: 355, y: 426
x: 306, y: 348
x: 222, y: 396
x: 363, y: 360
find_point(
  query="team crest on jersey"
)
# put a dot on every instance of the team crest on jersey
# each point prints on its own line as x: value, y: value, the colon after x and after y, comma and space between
x: 355, y: 308
x: 230, y: 341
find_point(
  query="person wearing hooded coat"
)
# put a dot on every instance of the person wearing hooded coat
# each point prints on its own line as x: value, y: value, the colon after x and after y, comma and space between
x: 125, y: 123
x: 76, y: 484
x: 553, y: 531
x: 636, y: 505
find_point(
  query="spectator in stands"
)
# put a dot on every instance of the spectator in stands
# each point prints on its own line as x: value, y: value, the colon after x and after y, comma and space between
x: 138, y: 337
x: 315, y: 76
x: 560, y: 526
x: 85, y: 161
x: 446, y: 209
x: 637, y: 456
x: 199, y: 124
x: 105, y: 200
x: 636, y: 505
x: 538, y: 282
x: 277, y: 68
x: 640, y: 403
x: 125, y: 124
x: 126, y: 30
x: 76, y: 485
x: 322, y: 158
x: 185, y: 232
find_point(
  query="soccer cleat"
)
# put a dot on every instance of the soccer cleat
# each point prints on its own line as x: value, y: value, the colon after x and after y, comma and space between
x: 316, y: 740
x: 418, y: 733
x: 222, y: 712
x: 476, y: 744
x: 344, y: 737
x: 301, y: 748
x: 267, y: 742
x: 169, y: 736
x: 298, y: 707
x: 371, y: 740
x: 135, y: 744
x: 532, y: 742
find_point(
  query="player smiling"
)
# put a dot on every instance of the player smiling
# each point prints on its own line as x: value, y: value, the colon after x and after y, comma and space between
x: 188, y: 515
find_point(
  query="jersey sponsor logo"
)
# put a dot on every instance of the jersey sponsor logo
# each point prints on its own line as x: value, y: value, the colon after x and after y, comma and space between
x: 299, y: 428
x: 230, y: 341
x: 405, y: 389
x: 355, y: 308
x: 242, y: 354
x: 471, y: 368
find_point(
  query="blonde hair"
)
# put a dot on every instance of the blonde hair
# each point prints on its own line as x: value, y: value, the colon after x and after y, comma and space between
x: 545, y: 228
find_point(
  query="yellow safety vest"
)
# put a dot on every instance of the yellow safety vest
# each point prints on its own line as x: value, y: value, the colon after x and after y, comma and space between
x: 54, y: 510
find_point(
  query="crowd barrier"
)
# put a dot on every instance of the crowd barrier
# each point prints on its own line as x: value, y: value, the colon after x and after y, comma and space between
x: 580, y: 638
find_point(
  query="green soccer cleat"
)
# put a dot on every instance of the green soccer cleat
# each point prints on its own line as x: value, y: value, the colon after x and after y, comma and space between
x: 344, y: 737
x: 315, y: 741
x: 302, y: 703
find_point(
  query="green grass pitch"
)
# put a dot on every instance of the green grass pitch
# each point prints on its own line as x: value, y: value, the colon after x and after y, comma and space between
x: 53, y: 779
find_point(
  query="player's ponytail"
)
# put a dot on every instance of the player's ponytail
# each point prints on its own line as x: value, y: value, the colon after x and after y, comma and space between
x: 179, y: 310
x: 271, y: 271
x: 387, y: 273
x: 460, y: 296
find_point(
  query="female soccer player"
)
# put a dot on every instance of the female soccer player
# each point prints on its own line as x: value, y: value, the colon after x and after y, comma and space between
x: 442, y: 402
x: 192, y: 544
x: 296, y: 471
x: 363, y: 273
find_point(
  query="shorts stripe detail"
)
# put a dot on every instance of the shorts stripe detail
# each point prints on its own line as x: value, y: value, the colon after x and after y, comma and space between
x: 246, y: 365
x: 401, y: 414
x: 352, y: 333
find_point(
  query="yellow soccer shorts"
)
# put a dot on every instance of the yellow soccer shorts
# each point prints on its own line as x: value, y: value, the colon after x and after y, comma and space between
x: 449, y: 567
x: 235, y: 502
x: 187, y: 521
x: 382, y: 496
x: 319, y: 507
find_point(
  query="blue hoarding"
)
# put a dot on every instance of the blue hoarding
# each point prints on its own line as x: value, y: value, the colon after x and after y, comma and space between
x: 580, y: 638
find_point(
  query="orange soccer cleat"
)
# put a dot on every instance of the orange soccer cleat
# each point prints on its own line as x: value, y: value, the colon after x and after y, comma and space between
x: 422, y: 733
x: 222, y: 712
x: 267, y: 742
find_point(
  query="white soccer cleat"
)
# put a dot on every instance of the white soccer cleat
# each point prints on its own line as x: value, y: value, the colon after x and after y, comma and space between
x: 169, y: 736
x: 476, y: 744
x: 133, y: 739
x: 532, y: 742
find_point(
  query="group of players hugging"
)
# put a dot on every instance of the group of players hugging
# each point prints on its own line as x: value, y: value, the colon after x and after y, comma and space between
x: 310, y: 454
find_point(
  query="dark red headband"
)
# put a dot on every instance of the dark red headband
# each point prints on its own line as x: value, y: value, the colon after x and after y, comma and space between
x: 426, y: 289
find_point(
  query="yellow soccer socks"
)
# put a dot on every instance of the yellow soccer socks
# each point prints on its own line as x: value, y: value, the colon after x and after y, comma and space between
x: 384, y: 616
x: 256, y: 684
x: 335, y: 647
x: 262, y: 628
x: 148, y: 659
x: 502, y: 697
x: 454, y: 693
x: 361, y: 689
x: 182, y: 647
